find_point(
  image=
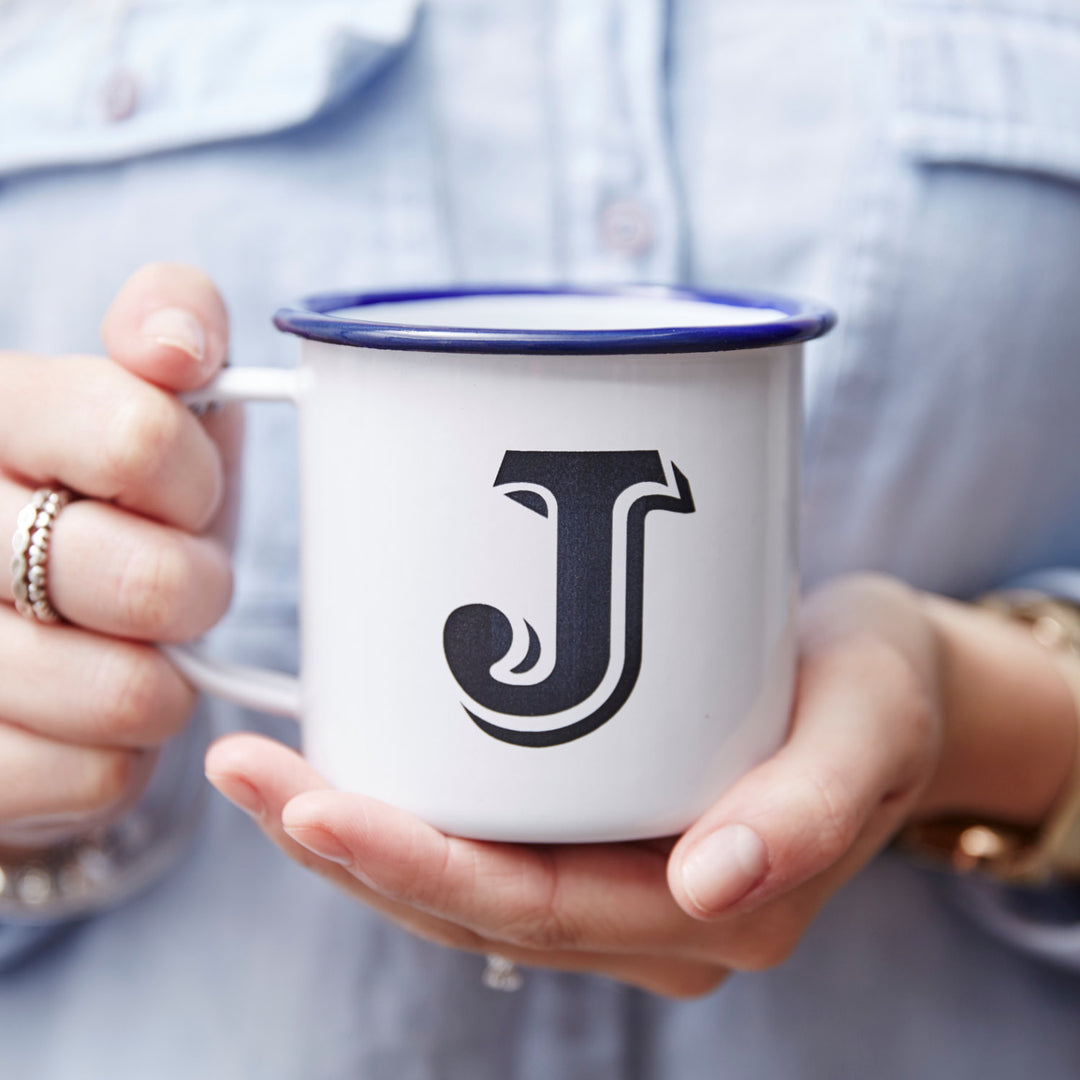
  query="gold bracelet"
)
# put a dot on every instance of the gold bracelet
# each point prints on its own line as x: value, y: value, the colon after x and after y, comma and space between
x: 1009, y: 852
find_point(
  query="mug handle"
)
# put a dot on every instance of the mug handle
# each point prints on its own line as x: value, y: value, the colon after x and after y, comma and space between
x: 255, y: 688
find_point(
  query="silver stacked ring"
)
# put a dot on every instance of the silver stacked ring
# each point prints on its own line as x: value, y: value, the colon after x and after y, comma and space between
x: 30, y: 561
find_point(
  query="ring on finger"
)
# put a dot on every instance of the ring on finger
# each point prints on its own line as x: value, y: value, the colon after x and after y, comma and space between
x: 501, y: 973
x: 30, y: 558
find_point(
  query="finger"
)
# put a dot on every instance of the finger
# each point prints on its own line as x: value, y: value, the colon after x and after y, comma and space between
x: 168, y: 325
x: 609, y: 898
x: 278, y: 786
x: 87, y: 423
x: 119, y: 574
x: 861, y: 737
x: 45, y: 778
x: 263, y: 777
x: 78, y: 687
x: 225, y: 426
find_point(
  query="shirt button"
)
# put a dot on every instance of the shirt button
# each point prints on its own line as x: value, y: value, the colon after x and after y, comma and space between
x: 626, y: 227
x: 119, y: 95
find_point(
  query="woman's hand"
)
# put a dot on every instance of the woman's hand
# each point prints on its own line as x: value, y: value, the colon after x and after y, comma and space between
x: 870, y: 744
x: 83, y: 705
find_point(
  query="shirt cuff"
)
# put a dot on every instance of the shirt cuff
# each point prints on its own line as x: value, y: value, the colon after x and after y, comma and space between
x: 18, y: 942
x: 1060, y: 581
x: 1043, y: 922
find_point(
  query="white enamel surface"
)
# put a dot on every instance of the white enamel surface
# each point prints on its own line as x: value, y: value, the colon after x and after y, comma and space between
x: 638, y: 312
x: 271, y: 692
x: 402, y: 525
x: 246, y: 384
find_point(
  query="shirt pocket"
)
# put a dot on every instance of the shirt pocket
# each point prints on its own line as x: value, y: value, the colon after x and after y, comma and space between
x: 987, y: 82
x: 88, y: 83
x: 936, y: 454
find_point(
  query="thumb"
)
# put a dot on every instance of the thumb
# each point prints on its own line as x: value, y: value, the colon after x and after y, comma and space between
x: 168, y: 325
x: 862, y: 743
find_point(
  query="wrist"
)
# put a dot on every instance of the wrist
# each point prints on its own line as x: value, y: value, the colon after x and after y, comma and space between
x: 1009, y: 719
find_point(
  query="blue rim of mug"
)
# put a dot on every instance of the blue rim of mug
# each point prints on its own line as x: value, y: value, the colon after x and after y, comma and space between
x: 314, y: 318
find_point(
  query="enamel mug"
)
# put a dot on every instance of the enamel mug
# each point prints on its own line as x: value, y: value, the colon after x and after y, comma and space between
x: 548, y: 551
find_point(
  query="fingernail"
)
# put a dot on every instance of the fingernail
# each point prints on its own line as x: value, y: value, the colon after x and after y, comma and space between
x: 239, y: 792
x: 321, y: 842
x: 178, y: 328
x: 724, y: 867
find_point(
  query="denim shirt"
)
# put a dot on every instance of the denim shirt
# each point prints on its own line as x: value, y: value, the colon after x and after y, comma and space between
x: 916, y: 163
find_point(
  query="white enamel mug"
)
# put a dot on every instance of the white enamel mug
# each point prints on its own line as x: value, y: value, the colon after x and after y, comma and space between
x: 548, y: 551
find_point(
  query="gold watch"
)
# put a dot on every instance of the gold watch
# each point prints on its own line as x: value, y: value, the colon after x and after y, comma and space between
x: 1008, y: 852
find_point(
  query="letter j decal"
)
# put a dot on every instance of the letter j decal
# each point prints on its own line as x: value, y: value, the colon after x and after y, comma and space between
x: 585, y: 486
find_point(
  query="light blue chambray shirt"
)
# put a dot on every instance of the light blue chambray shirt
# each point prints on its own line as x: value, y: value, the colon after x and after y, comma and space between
x: 914, y: 162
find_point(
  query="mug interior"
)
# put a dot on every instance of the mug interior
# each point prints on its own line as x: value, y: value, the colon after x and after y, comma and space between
x: 565, y: 311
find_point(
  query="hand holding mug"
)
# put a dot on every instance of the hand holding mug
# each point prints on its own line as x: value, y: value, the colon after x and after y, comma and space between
x: 735, y: 892
x: 140, y: 559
